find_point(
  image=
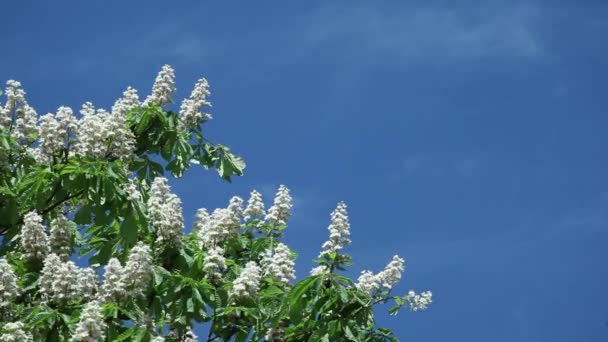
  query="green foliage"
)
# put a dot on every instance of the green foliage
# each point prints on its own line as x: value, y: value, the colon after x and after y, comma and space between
x: 325, y: 307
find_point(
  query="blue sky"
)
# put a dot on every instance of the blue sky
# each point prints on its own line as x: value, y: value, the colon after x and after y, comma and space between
x: 469, y: 138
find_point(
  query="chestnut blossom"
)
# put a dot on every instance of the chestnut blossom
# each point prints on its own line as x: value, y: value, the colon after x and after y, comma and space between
x: 26, y: 122
x: 55, y: 131
x: 34, y: 241
x: 63, y: 281
x: 15, y: 96
x: 137, y: 272
x: 386, y: 279
x: 321, y: 269
x: 247, y: 283
x: 163, y: 88
x: 131, y: 191
x: 339, y: 231
x: 255, y: 207
x: 214, y: 263
x: 129, y: 101
x: 236, y: 207
x: 190, y: 110
x: 62, y: 236
x: 113, y: 287
x: 392, y: 272
x: 189, y: 336
x: 278, y: 263
x: 220, y: 225
x: 279, y: 212
x: 202, y: 219
x: 419, y: 301
x: 165, y: 212
x: 15, y: 332
x: 368, y: 282
x: 91, y: 327
x: 9, y: 289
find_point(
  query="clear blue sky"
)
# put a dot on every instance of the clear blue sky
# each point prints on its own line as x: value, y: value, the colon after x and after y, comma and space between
x: 470, y: 139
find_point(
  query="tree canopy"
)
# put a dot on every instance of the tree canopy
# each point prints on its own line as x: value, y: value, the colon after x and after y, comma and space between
x: 94, y: 247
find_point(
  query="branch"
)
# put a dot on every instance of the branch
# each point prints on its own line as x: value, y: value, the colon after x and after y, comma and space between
x: 58, y: 203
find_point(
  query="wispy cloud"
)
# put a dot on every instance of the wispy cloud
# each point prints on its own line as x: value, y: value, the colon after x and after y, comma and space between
x: 426, y: 165
x: 360, y: 34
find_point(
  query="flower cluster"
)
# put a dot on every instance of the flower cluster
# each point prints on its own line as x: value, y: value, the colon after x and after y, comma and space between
x: 189, y: 336
x: 103, y: 135
x: 25, y: 116
x: 279, y: 212
x: 214, y: 263
x: 255, y: 207
x: 15, y: 332
x: 113, y: 284
x: 419, y: 301
x: 55, y: 131
x: 131, y: 191
x: 386, y: 279
x: 163, y: 88
x: 339, y: 231
x: 62, y: 236
x: 137, y: 272
x: 15, y: 96
x: 9, y: 289
x: 34, y: 240
x: 63, y: 281
x: 216, y: 227
x: 247, y: 283
x: 190, y: 110
x: 278, y: 263
x: 128, y: 102
x: 91, y: 327
x: 165, y: 212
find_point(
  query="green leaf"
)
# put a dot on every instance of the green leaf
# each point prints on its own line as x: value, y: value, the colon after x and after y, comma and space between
x: 128, y: 229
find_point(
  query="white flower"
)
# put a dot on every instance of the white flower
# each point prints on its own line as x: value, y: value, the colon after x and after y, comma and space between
x: 392, y: 272
x: 91, y: 327
x: 158, y: 339
x: 255, y: 207
x: 278, y: 263
x: 219, y: 226
x: 339, y: 231
x: 386, y: 279
x: 165, y: 211
x: 214, y: 263
x: 163, y: 88
x: 87, y: 283
x: 131, y: 190
x: 8, y: 284
x: 15, y: 96
x: 63, y: 281
x: 318, y: 270
x: 55, y: 130
x: 34, y: 241
x: 129, y: 101
x: 138, y: 270
x: 25, y: 124
x: 190, y: 110
x: 236, y: 207
x: 15, y: 332
x: 419, y: 301
x: 113, y: 287
x: 247, y: 283
x: 190, y: 336
x: 102, y: 135
x: 368, y: 282
x: 279, y: 212
x: 202, y: 220
x: 62, y: 236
